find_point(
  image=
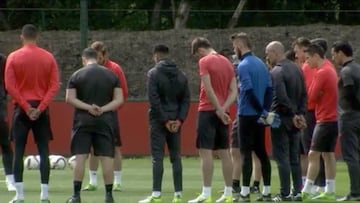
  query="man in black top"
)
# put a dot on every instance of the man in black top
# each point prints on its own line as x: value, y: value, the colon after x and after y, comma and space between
x: 349, y: 113
x: 95, y: 93
x: 7, y: 153
x: 169, y: 98
x: 289, y: 102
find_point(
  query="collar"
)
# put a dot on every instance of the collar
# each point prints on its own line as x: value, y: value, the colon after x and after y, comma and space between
x: 347, y: 62
x: 249, y: 53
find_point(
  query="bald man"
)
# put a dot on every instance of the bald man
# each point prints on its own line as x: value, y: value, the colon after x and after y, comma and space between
x: 289, y: 102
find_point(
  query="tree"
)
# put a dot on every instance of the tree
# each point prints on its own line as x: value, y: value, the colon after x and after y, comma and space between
x: 155, y: 19
x: 235, y: 18
x: 182, y: 14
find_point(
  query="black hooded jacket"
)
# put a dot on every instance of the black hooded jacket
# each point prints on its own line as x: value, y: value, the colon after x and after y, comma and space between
x: 168, y: 92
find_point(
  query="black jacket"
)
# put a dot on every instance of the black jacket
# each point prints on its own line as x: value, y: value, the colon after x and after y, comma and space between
x: 168, y: 92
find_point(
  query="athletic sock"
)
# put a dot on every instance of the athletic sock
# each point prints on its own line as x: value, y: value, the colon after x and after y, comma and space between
x: 330, y: 186
x: 156, y: 194
x: 256, y: 183
x: 245, y: 190
x: 227, y: 191
x: 177, y: 194
x: 44, y: 195
x: 309, y: 184
x: 266, y: 190
x: 117, y: 177
x: 93, y: 177
x: 108, y: 189
x: 320, y: 189
x: 19, y: 190
x: 236, y: 183
x: 77, y: 188
x: 10, y: 179
x: 303, y: 178
x: 206, y: 191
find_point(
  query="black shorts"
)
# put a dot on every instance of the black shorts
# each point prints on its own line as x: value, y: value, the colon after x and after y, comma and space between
x: 116, y: 128
x: 235, y: 143
x: 84, y: 138
x: 212, y: 133
x: 307, y: 133
x: 251, y: 133
x: 21, y: 125
x: 325, y: 137
x: 4, y: 133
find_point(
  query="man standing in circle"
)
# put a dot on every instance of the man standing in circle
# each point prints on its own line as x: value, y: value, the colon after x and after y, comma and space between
x: 32, y: 80
x: 95, y: 93
x: 217, y: 93
x: 103, y: 59
x: 169, y: 98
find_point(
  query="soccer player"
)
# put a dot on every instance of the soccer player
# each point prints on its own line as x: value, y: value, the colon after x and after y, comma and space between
x: 7, y: 152
x: 32, y: 80
x: 290, y: 103
x: 95, y: 93
x: 349, y: 113
x: 217, y: 93
x: 169, y: 98
x: 323, y: 93
x: 253, y: 103
x: 103, y: 59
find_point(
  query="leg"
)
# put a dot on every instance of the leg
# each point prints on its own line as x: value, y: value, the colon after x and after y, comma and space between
x: 43, y: 149
x: 235, y: 156
x: 158, y: 135
x: 256, y: 173
x: 306, y: 137
x: 330, y: 171
x: 320, y: 179
x: 7, y: 155
x: 117, y: 169
x: 93, y: 166
x: 174, y: 143
x: 107, y: 166
x: 294, y: 140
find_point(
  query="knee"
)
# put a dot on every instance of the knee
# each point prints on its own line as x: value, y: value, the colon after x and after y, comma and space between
x: 175, y: 158
x: 314, y: 156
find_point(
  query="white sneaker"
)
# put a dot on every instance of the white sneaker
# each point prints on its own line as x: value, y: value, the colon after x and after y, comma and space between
x: 10, y: 186
x: 225, y: 199
x: 201, y: 198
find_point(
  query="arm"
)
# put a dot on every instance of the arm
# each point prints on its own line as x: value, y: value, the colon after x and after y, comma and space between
x: 316, y: 87
x: 72, y: 99
x: 349, y: 88
x: 303, y: 102
x: 233, y: 94
x: 280, y: 91
x: 118, y: 99
x: 123, y: 84
x: 210, y: 91
x: 154, y: 98
x: 11, y: 87
x: 185, y: 103
x: 53, y: 88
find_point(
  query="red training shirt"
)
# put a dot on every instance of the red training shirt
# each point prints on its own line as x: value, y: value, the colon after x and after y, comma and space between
x: 221, y: 73
x: 31, y: 73
x: 118, y: 71
x: 323, y: 92
x: 309, y: 74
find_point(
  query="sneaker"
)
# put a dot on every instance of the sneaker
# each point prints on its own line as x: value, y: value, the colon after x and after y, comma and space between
x: 201, y: 199
x: 74, y: 199
x: 10, y: 186
x: 225, y: 199
x: 264, y: 198
x: 117, y: 187
x: 305, y: 196
x: 16, y: 201
x: 236, y: 197
x: 325, y: 196
x: 297, y: 197
x: 44, y: 201
x: 348, y: 197
x: 109, y: 198
x: 151, y: 199
x: 90, y: 188
x: 254, y: 190
x: 245, y: 198
x: 177, y: 199
x: 282, y: 198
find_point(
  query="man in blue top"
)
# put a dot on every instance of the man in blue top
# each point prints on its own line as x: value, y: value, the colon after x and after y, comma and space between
x: 255, y: 96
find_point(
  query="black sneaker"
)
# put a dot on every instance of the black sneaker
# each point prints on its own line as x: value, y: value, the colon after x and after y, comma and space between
x: 245, y: 198
x: 281, y: 198
x: 109, y: 199
x: 297, y: 197
x: 348, y: 197
x: 264, y: 198
x: 254, y: 190
x: 74, y: 199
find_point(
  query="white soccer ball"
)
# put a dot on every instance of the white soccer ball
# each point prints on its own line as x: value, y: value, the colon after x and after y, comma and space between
x: 71, y: 162
x: 31, y: 162
x: 57, y: 162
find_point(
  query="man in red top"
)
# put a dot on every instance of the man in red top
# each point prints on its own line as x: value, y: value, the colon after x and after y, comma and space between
x: 104, y: 60
x: 322, y: 93
x: 217, y: 92
x: 32, y: 80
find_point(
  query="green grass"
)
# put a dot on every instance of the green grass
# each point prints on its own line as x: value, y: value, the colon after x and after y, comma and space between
x: 137, y: 182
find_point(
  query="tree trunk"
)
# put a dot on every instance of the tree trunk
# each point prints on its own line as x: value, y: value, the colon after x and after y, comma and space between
x: 235, y: 18
x: 173, y: 11
x: 155, y: 20
x: 182, y: 15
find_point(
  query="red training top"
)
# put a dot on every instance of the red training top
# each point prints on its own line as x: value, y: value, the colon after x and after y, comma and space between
x: 323, y: 93
x: 118, y: 71
x: 309, y: 74
x: 31, y: 73
x: 221, y: 73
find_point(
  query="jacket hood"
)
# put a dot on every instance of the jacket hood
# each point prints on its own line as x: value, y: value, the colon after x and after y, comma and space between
x: 167, y: 67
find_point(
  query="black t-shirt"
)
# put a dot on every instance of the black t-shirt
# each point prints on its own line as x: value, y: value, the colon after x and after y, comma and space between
x: 349, y: 89
x: 94, y: 84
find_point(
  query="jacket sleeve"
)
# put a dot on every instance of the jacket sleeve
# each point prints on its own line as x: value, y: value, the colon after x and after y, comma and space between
x: 185, y: 102
x: 154, y: 98
x: 303, y: 102
x: 280, y: 91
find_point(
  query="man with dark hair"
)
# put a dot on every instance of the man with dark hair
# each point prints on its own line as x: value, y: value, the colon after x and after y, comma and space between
x: 349, y: 113
x: 255, y: 95
x: 289, y: 102
x: 323, y: 94
x: 103, y: 59
x: 7, y: 152
x: 169, y: 98
x: 95, y: 93
x: 217, y: 93
x: 32, y: 80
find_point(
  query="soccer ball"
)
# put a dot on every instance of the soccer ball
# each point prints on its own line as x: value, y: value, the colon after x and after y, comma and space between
x: 57, y: 162
x: 32, y: 162
x: 71, y: 162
